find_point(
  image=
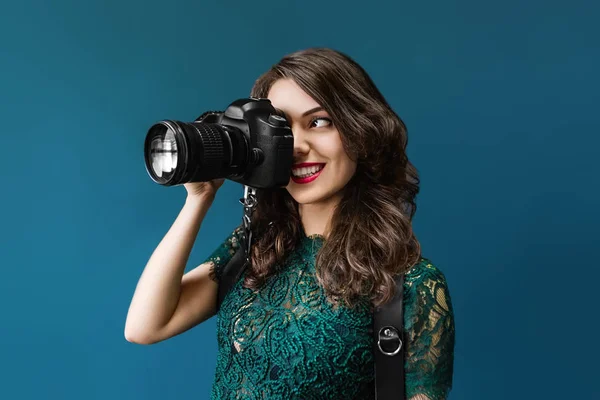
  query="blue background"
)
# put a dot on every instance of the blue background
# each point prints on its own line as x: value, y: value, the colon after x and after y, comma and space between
x: 501, y: 102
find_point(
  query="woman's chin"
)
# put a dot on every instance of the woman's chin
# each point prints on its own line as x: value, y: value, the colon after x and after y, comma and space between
x: 302, y: 196
x: 305, y: 197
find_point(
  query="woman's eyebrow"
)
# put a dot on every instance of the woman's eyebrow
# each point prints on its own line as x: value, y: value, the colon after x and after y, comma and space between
x: 308, y: 112
x: 312, y: 111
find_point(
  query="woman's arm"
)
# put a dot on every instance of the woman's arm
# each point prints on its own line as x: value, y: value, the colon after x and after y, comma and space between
x: 165, y: 303
x: 429, y: 325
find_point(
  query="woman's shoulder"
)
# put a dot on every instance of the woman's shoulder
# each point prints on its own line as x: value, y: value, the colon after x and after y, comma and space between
x: 426, y: 296
x: 424, y: 270
x: 426, y: 280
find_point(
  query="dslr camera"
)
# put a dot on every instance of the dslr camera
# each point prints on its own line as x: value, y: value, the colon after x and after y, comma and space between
x: 250, y: 142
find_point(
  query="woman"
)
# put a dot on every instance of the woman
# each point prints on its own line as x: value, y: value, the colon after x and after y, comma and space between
x: 326, y: 251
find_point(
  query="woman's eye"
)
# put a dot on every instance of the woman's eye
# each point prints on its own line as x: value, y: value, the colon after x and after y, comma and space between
x: 320, y: 122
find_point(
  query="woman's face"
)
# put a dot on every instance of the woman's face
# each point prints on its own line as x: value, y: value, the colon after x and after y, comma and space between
x: 321, y: 166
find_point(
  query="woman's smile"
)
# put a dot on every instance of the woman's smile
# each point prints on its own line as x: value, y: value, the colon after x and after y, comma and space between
x: 304, y: 174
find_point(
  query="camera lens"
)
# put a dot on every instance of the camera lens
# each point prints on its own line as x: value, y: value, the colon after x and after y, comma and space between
x: 180, y: 152
x: 163, y: 153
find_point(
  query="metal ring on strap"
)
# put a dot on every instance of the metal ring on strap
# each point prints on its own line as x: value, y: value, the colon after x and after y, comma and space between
x: 389, y: 333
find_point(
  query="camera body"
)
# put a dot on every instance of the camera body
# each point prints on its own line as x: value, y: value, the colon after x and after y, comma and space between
x: 250, y: 143
x: 269, y: 137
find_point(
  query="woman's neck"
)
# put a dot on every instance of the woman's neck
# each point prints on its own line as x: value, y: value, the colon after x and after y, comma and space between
x: 316, y: 217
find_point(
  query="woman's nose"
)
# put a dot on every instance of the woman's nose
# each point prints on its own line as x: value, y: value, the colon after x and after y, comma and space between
x: 301, y: 145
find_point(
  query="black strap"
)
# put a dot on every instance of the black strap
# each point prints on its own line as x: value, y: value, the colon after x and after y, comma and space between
x: 241, y: 259
x: 388, y: 332
x: 388, y: 347
x: 231, y: 273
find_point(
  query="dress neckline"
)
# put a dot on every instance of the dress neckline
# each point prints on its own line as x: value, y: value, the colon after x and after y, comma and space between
x: 314, y: 236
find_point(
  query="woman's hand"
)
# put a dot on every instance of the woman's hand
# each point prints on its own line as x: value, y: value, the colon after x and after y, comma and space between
x: 203, y: 189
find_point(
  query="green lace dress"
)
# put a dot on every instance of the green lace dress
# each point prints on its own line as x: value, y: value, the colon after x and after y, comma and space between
x: 285, y: 341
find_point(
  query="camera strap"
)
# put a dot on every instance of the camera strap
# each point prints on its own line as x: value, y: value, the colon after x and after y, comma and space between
x: 249, y: 202
x: 388, y: 346
x: 241, y: 259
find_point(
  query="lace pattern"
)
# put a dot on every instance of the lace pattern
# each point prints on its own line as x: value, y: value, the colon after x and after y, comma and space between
x: 285, y: 341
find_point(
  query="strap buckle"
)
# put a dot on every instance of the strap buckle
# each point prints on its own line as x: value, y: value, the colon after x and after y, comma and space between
x: 389, y: 338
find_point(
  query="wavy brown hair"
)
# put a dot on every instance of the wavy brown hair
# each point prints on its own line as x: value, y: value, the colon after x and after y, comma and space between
x: 371, y: 238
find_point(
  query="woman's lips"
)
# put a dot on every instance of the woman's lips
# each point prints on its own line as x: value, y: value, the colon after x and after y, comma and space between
x: 308, y: 179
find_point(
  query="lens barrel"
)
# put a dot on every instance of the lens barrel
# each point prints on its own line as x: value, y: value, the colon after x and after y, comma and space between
x: 178, y: 152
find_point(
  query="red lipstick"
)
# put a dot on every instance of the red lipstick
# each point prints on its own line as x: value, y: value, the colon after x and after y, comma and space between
x: 306, y: 164
x: 308, y: 179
